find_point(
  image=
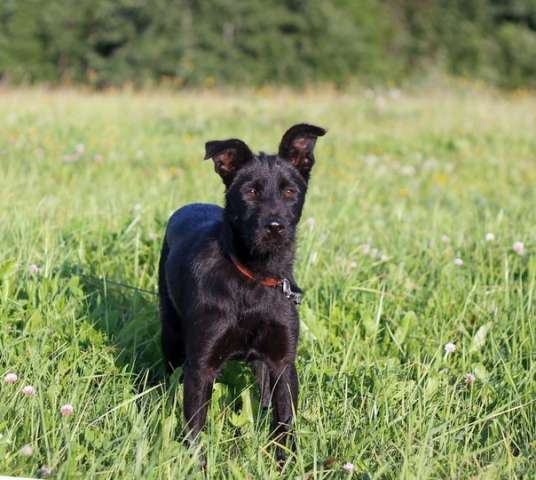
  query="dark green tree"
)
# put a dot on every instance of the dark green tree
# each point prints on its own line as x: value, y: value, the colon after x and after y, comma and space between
x: 206, y: 42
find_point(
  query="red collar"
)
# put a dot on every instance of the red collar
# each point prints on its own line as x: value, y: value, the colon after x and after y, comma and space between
x: 268, y: 282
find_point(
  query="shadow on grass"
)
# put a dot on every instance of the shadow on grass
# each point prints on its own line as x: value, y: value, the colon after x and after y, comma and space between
x: 129, y: 319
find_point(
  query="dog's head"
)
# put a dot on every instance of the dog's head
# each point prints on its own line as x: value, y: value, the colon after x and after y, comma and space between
x: 265, y: 194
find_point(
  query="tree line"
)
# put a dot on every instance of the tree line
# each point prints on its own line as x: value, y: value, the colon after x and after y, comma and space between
x: 257, y: 42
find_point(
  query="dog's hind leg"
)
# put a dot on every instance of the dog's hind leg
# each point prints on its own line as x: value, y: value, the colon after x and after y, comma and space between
x: 172, y: 346
x: 172, y: 338
x: 262, y: 375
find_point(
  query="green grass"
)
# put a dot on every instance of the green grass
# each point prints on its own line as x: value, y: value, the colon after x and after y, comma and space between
x: 396, y: 172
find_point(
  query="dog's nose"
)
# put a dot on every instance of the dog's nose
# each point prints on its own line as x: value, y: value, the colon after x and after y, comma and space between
x: 274, y: 226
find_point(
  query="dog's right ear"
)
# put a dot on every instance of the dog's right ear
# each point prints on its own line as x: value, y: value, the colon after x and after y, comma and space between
x: 228, y: 156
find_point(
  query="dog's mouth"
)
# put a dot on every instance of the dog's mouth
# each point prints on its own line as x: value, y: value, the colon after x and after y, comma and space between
x: 271, y: 242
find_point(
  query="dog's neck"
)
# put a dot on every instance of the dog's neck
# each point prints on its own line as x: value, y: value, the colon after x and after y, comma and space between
x: 277, y: 264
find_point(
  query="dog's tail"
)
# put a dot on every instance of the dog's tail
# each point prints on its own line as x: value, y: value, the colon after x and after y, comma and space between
x: 171, y: 338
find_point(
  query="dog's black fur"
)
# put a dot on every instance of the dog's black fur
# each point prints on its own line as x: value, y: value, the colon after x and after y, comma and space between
x: 210, y: 311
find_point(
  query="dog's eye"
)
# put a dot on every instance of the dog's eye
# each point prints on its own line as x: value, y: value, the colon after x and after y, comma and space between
x: 251, y: 192
x: 289, y: 192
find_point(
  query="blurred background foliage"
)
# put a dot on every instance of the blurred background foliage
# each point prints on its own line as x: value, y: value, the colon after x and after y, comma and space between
x: 257, y: 42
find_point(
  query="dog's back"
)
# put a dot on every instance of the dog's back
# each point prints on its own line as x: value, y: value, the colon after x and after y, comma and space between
x: 190, y: 221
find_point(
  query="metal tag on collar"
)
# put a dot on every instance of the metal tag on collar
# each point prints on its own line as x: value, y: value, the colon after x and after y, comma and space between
x: 287, y: 291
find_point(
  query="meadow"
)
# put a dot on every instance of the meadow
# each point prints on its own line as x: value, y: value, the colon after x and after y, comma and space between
x: 417, y: 254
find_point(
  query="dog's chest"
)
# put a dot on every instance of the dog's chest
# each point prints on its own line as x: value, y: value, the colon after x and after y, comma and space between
x: 266, y: 326
x: 262, y: 304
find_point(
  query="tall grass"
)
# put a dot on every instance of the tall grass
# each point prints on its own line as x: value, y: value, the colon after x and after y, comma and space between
x: 405, y: 183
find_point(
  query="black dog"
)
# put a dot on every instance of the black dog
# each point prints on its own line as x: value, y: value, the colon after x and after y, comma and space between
x: 227, y: 288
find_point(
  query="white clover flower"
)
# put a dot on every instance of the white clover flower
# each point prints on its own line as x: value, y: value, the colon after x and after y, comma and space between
x: 28, y: 390
x: 44, y: 471
x: 490, y: 237
x: 470, y: 378
x: 458, y: 262
x: 445, y: 239
x: 67, y: 410
x: 518, y: 247
x: 34, y: 269
x: 11, y: 378
x: 26, y: 451
x: 450, y: 347
x: 348, y: 467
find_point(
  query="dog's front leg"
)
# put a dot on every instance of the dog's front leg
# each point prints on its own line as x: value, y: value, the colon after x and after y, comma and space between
x: 284, y: 381
x: 198, y: 383
x: 262, y: 376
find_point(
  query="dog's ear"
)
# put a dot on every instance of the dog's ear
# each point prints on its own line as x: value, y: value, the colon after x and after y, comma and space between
x: 298, y: 144
x: 228, y: 156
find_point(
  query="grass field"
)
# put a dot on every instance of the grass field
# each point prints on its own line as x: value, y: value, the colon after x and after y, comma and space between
x: 405, y: 184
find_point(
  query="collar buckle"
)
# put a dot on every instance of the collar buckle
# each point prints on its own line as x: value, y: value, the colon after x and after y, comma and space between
x: 287, y: 291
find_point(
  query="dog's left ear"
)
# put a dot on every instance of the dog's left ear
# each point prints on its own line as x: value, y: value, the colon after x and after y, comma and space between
x: 298, y: 144
x: 228, y: 156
